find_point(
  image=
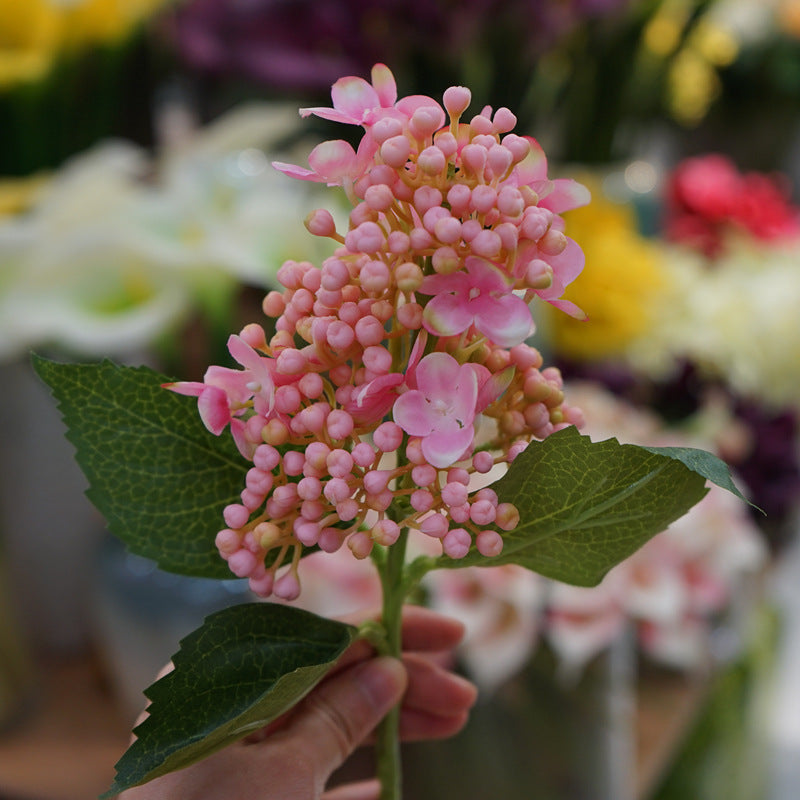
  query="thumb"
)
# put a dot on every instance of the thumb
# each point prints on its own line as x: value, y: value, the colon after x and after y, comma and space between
x: 337, y: 717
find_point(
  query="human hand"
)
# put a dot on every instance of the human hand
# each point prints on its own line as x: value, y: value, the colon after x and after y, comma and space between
x: 293, y: 757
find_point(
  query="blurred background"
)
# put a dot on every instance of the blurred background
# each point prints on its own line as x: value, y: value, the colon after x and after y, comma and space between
x: 140, y: 220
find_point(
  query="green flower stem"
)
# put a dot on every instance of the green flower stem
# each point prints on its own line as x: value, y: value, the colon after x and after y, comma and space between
x: 394, y: 594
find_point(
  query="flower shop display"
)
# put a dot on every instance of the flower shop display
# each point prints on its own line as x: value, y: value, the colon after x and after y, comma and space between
x: 710, y: 296
x: 118, y: 247
x: 394, y: 381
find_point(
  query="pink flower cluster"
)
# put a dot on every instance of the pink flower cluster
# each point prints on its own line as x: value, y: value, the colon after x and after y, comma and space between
x: 708, y: 197
x: 360, y: 412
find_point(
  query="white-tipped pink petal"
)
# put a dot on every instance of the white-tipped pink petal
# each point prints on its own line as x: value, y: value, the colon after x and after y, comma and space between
x: 333, y: 161
x: 566, y: 195
x: 354, y: 97
x: 299, y: 173
x: 384, y: 84
x: 569, y: 308
x: 189, y: 388
x: 493, y: 387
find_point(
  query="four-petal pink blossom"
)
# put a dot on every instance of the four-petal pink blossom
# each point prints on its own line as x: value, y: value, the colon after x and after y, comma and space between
x: 441, y: 411
x: 226, y: 394
x: 356, y: 102
x: 481, y: 296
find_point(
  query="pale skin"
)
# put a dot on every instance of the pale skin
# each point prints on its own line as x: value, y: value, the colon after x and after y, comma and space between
x: 294, y: 758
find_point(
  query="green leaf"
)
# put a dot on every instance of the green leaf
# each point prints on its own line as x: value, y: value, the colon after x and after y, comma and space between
x: 243, y: 668
x: 157, y: 475
x: 585, y: 506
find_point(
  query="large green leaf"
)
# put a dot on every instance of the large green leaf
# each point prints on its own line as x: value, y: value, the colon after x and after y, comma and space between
x: 585, y: 506
x: 157, y: 475
x: 243, y: 668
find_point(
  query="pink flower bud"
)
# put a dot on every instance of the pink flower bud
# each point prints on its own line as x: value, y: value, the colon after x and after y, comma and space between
x: 519, y: 147
x: 380, y: 501
x: 242, y: 563
x: 499, y: 160
x: 420, y: 239
x: 421, y: 500
x: 287, y: 399
x: 273, y: 304
x: 305, y: 531
x: 290, y: 362
x: 425, y: 121
x: 398, y: 242
x: 482, y: 512
x: 504, y: 120
x: 489, y: 543
x: 262, y: 585
x: 369, y: 330
x: 336, y: 490
x: 340, y: 335
x: 456, y: 543
x: 379, y: 197
x: 456, y: 100
x: 388, y: 436
x: 553, y: 243
x: 459, y: 475
x: 432, y: 161
x: 339, y: 424
x: 423, y: 474
x: 309, y: 488
x: 377, y: 359
x: 266, y: 457
x: 510, y: 201
x: 410, y: 316
x: 482, y: 462
x: 360, y: 544
x: 507, y: 516
x: 386, y: 128
x: 287, y: 587
x: 434, y: 525
x: 363, y: 454
x: 447, y: 229
x: 459, y: 197
x: 235, y: 515
x: 473, y: 157
x: 481, y: 124
x: 335, y: 274
x: 375, y: 481
x: 330, y: 540
x: 347, y: 509
x: 487, y: 244
x: 320, y: 223
x: 459, y: 514
x: 395, y: 151
x: 408, y: 276
x: 454, y: 494
x: 267, y: 534
x: 374, y: 276
x: 227, y: 542
x: 316, y: 456
x: 311, y: 385
x: 385, y: 532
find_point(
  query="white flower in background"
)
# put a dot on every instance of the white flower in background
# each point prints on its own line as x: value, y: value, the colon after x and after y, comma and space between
x: 735, y: 318
x: 119, y: 247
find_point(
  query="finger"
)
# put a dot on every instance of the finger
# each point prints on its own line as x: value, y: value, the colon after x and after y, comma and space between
x: 366, y: 790
x: 423, y: 631
x: 416, y: 726
x: 436, y: 690
x: 343, y: 711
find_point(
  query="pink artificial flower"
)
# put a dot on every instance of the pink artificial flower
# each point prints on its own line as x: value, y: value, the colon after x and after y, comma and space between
x: 441, y: 410
x: 227, y: 393
x: 482, y: 297
x: 356, y: 102
x: 333, y: 162
x: 559, y: 195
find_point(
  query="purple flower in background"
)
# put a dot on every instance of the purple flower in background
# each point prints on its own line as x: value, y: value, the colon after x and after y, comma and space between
x: 305, y: 45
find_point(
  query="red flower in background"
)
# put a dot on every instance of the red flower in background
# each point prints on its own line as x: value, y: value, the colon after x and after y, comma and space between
x: 708, y: 198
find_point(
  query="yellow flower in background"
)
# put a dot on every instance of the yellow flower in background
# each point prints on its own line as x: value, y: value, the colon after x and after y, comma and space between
x: 97, y: 21
x: 19, y: 194
x: 616, y: 289
x: 30, y: 31
x: 33, y: 33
